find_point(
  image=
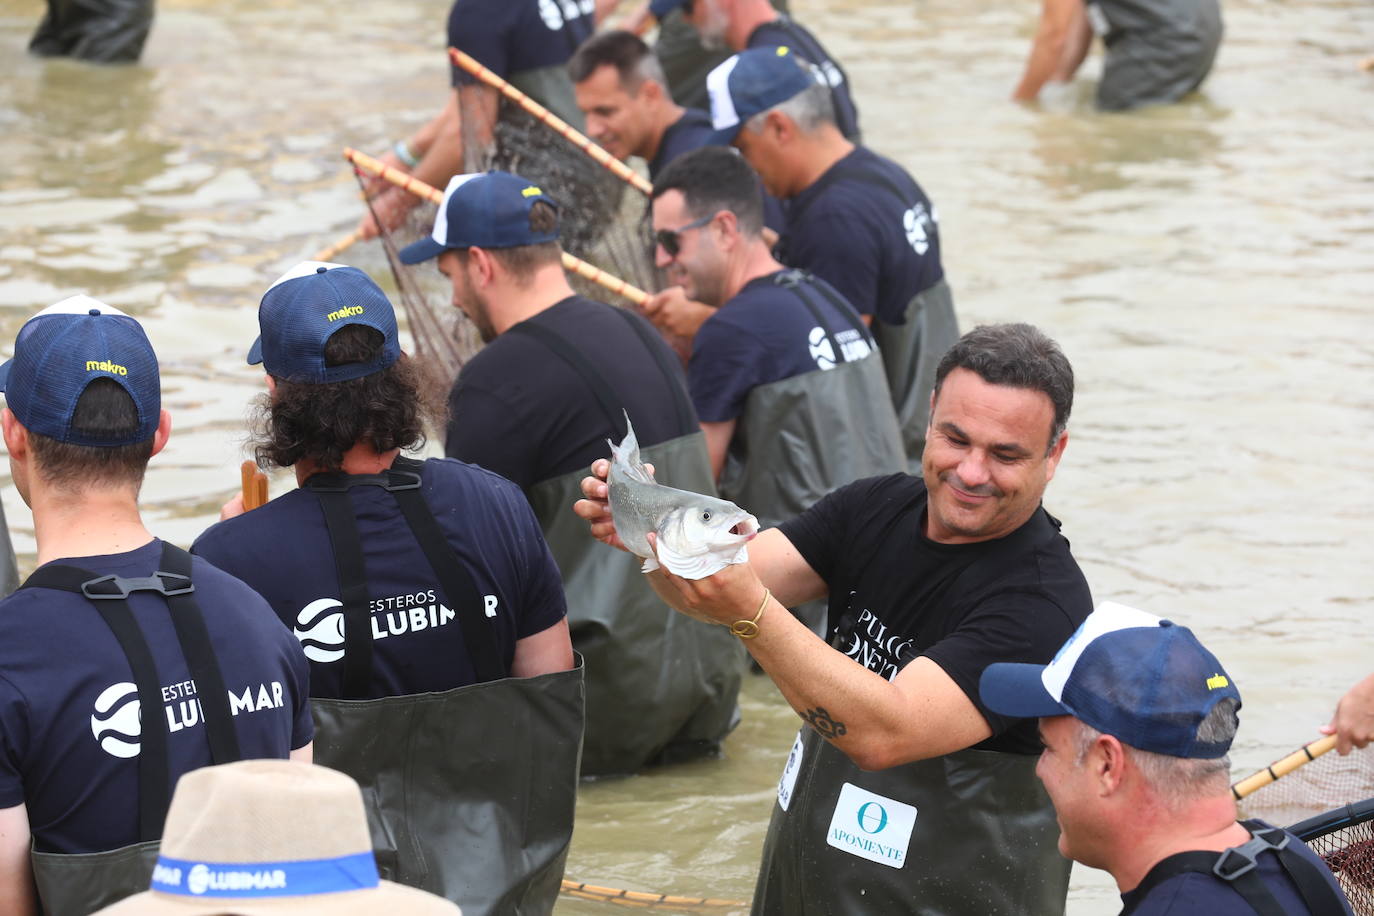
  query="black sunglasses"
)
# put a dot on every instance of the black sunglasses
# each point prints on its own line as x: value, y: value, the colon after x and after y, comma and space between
x: 671, y: 239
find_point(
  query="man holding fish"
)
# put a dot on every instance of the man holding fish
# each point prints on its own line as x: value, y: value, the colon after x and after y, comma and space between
x: 906, y: 793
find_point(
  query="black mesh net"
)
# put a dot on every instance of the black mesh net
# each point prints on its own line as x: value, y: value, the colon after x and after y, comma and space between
x: 1328, y: 784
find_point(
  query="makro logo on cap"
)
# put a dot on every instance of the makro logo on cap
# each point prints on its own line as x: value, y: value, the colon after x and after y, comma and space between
x: 104, y: 365
x: 1217, y: 681
x: 531, y: 191
x: 349, y: 312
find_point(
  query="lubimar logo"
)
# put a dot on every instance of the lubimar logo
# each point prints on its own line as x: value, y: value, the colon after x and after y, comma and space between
x: 348, y: 312
x: 104, y: 365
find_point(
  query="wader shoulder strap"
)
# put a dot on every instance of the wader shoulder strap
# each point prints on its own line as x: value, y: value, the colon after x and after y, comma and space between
x: 685, y: 416
x: 796, y: 281
x: 862, y: 173
x: 1236, y: 866
x: 109, y: 595
x: 841, y: 305
x: 579, y: 363
x: 453, y: 574
x: 347, y: 547
x: 605, y: 394
x: 402, y: 481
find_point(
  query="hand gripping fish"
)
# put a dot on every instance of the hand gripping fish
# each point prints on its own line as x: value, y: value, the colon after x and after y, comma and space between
x: 697, y: 534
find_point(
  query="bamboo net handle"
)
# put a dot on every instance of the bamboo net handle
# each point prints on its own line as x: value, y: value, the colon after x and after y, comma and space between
x: 1302, y: 756
x: 417, y: 187
x: 553, y: 121
x: 333, y: 251
x: 643, y: 900
x: 254, y: 485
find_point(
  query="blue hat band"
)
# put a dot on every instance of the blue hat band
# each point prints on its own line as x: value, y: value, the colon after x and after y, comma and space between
x: 239, y: 881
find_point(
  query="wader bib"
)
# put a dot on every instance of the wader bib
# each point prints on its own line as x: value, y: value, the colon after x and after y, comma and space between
x: 970, y: 833
x: 76, y: 885
x: 1157, y: 50
x: 661, y: 687
x: 470, y: 791
x: 9, y: 567
x: 802, y: 437
x: 913, y: 345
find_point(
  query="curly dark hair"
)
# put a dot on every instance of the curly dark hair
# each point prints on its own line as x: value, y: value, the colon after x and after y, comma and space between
x: 387, y: 409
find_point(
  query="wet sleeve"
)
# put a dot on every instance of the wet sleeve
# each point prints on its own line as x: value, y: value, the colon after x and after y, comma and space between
x: 727, y: 363
x: 485, y: 430
x: 842, y: 250
x: 14, y: 740
x: 1026, y: 626
x: 482, y: 29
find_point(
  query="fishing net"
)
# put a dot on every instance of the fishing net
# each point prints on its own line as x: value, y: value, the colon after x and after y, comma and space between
x: 601, y: 222
x: 1344, y: 834
x: 1344, y: 838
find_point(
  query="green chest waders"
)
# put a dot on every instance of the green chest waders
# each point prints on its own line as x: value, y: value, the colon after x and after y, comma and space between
x: 660, y: 686
x: 913, y: 347
x: 470, y: 791
x: 75, y: 885
x: 970, y: 833
x: 802, y: 437
x: 1157, y: 51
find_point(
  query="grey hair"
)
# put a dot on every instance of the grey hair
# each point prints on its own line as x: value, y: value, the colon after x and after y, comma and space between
x: 808, y: 109
x: 1019, y: 356
x: 1178, y: 781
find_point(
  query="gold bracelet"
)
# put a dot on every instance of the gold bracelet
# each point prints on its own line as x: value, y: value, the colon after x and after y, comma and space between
x: 748, y: 629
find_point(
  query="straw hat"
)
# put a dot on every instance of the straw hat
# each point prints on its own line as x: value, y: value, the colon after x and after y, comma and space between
x: 271, y: 837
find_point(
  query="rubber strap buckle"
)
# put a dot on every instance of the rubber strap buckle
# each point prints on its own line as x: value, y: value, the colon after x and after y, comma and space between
x: 402, y: 480
x: 117, y: 588
x: 1228, y: 870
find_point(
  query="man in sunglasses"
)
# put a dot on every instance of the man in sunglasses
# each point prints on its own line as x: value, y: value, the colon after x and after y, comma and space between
x: 784, y: 375
x: 854, y: 218
x: 557, y: 378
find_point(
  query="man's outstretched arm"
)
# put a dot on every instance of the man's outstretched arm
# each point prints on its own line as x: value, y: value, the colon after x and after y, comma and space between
x: 1062, y: 23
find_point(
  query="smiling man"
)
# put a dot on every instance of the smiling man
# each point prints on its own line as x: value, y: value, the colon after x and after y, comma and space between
x: 905, y: 792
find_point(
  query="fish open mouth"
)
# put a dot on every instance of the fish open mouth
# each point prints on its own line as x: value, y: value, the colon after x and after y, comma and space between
x: 746, y: 530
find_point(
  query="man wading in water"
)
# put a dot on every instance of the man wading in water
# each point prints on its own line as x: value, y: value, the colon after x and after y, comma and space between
x: 929, y: 580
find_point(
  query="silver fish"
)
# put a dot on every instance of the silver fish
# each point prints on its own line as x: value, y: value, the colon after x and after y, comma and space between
x: 697, y: 535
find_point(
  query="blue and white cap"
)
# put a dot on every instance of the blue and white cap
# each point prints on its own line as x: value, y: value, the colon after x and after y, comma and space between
x: 483, y: 210
x: 752, y: 82
x: 64, y: 348
x: 303, y: 309
x: 1126, y: 673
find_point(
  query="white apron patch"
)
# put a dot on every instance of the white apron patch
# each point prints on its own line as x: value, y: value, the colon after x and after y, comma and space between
x: 788, y: 781
x: 871, y: 826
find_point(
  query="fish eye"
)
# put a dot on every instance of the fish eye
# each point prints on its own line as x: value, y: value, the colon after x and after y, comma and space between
x: 705, y: 515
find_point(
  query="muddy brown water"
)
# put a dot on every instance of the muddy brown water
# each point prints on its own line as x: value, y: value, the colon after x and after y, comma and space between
x: 1208, y: 267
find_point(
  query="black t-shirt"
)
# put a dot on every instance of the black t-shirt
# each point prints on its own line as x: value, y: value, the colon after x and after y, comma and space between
x: 854, y: 229
x: 512, y: 36
x: 70, y: 718
x: 786, y: 31
x: 766, y: 334
x: 524, y: 412
x: 900, y: 595
x: 283, y: 551
x: 1195, y: 894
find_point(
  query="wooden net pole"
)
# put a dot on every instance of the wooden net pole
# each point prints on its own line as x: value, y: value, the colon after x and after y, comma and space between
x: 553, y: 121
x: 574, y: 265
x: 1271, y: 773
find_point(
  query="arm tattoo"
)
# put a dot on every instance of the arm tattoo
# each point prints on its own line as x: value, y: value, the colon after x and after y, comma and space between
x: 825, y: 726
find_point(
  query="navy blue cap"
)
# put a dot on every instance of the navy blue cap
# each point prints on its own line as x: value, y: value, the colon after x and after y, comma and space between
x: 303, y: 309
x: 63, y: 349
x: 483, y: 210
x: 1126, y: 673
x: 751, y: 82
